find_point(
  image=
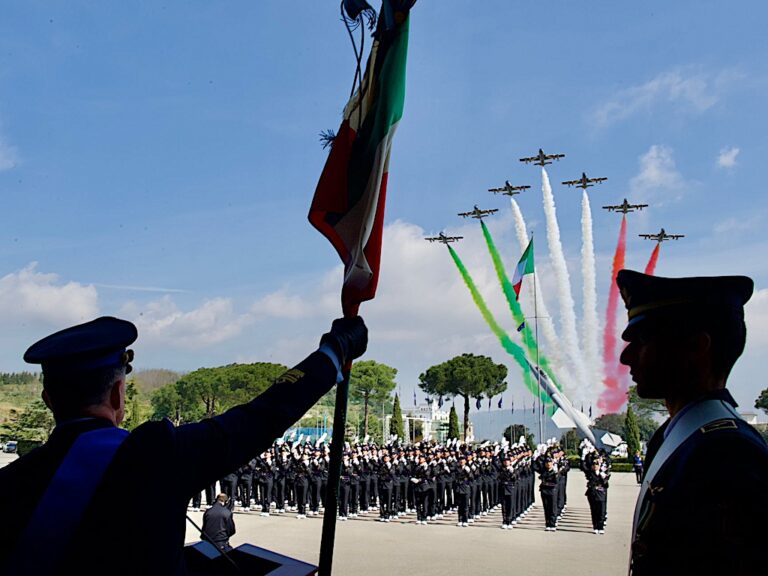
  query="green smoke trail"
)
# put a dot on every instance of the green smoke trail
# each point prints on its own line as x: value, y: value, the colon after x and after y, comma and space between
x: 514, y: 306
x: 513, y: 349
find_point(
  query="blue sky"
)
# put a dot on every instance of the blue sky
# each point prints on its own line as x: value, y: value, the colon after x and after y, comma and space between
x: 157, y: 162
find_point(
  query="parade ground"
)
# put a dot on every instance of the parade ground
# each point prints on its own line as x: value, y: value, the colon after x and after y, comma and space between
x: 367, y: 547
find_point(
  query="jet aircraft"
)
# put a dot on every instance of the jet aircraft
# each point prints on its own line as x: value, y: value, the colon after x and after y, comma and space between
x: 584, y: 182
x: 661, y: 236
x: 542, y: 159
x: 508, y: 189
x: 625, y: 207
x: 442, y: 238
x: 477, y: 213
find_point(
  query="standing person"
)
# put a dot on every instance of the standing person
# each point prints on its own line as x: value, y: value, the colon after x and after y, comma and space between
x: 301, y: 473
x: 548, y: 488
x: 264, y: 472
x: 281, y: 481
x: 462, y: 485
x: 508, y: 477
x: 245, y: 485
x: 702, y: 504
x: 422, y: 483
x: 637, y: 464
x: 219, y: 524
x: 597, y: 495
x: 229, y: 485
x: 385, y: 489
x: 96, y: 464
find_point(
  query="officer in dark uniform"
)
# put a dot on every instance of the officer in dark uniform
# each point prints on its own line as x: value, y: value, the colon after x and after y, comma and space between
x: 463, y: 487
x: 218, y: 523
x: 548, y: 488
x: 72, y: 482
x: 385, y: 483
x: 597, y: 494
x: 702, y: 503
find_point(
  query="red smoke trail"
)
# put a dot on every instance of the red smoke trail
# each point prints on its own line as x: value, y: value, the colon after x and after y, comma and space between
x: 651, y: 267
x: 622, y: 376
x: 613, y: 396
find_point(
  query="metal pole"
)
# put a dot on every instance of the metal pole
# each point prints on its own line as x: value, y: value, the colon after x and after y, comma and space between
x: 334, y: 474
x: 536, y: 335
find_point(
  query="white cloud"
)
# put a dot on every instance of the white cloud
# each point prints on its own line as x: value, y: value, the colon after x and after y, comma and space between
x: 162, y: 322
x: 727, y: 157
x: 658, y: 175
x: 29, y: 296
x: 280, y: 304
x: 741, y: 224
x: 756, y: 317
x: 688, y: 91
x: 8, y: 156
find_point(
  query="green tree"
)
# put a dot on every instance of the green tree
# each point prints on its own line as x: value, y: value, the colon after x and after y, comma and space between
x: 570, y: 441
x: 396, y: 422
x: 515, y: 431
x: 166, y: 403
x: 631, y: 432
x: 612, y: 422
x: 210, y: 391
x: 453, y: 424
x: 34, y: 423
x: 371, y: 383
x: 468, y: 376
x: 762, y: 401
x: 644, y: 407
x: 647, y: 427
x: 133, y: 416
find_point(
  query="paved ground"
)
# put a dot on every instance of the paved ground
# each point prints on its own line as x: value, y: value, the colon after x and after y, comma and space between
x: 364, y: 546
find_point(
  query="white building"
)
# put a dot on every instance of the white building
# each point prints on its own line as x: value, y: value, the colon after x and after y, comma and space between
x: 433, y: 420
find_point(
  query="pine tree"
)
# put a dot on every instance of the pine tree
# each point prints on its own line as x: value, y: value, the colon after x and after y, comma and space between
x: 453, y: 424
x: 396, y: 422
x: 631, y: 432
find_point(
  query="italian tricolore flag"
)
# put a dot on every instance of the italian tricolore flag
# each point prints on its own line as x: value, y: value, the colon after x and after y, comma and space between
x: 525, y: 266
x: 348, y: 206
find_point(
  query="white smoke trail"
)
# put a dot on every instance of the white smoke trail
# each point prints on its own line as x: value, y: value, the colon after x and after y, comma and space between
x: 552, y: 351
x: 567, y: 313
x: 591, y: 327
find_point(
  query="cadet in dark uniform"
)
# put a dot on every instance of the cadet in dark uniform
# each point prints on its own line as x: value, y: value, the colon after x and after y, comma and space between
x: 702, y: 504
x: 72, y: 482
x: 463, y: 487
x: 385, y: 489
x: 597, y: 495
x: 548, y: 488
x: 218, y: 524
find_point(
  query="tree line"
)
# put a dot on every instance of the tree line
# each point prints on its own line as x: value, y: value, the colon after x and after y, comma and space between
x: 157, y: 394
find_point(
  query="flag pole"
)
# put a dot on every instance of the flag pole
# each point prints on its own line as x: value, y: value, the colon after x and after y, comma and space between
x: 334, y: 475
x: 536, y: 336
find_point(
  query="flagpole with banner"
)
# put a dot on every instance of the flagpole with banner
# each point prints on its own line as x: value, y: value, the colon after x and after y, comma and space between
x: 348, y: 205
x: 526, y: 266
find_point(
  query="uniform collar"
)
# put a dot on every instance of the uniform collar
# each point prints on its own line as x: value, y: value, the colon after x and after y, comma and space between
x: 722, y: 394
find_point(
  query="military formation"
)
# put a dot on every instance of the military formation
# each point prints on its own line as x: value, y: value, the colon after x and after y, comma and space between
x: 427, y: 479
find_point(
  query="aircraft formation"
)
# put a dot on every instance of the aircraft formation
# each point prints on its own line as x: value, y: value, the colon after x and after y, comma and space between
x: 542, y: 159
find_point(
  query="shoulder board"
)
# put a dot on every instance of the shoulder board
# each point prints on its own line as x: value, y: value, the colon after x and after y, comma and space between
x: 722, y: 424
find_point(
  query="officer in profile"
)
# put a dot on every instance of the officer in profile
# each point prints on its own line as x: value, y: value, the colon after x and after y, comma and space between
x: 704, y: 496
x: 86, y: 508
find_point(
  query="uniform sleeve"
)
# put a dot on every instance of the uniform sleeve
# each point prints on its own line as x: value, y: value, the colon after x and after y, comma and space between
x: 207, y: 450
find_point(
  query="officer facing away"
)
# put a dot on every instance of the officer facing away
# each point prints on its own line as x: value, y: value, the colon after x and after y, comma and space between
x: 219, y: 524
x: 86, y: 510
x: 703, y: 500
